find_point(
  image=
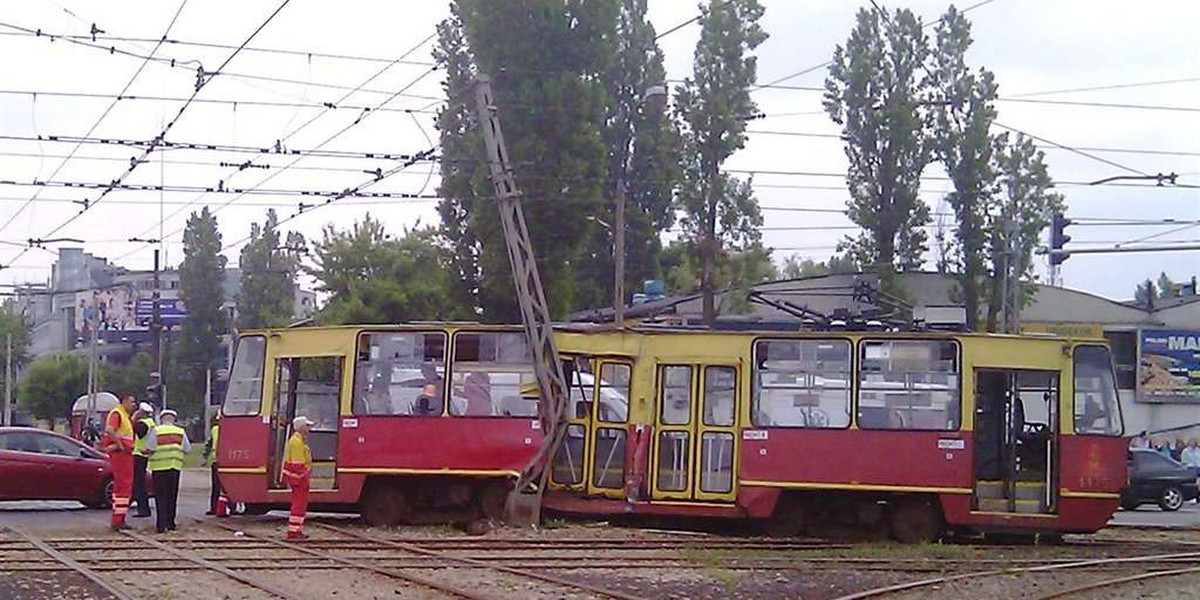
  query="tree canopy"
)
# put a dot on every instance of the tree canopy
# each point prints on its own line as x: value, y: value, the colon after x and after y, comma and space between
x: 268, y: 270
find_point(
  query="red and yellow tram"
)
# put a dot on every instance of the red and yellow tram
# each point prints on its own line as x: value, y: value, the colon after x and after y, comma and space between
x: 917, y: 432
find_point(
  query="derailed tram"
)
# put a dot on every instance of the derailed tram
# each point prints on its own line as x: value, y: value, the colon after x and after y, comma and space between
x: 918, y: 433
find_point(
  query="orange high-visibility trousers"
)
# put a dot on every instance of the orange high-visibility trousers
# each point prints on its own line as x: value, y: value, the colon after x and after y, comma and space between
x: 122, y: 466
x: 295, y: 528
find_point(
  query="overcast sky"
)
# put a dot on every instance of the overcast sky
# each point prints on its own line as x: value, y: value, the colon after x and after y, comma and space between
x: 1033, y: 46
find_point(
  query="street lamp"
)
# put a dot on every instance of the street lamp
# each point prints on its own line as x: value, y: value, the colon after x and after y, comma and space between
x: 656, y: 96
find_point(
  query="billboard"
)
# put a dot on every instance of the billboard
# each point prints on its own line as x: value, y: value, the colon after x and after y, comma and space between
x: 170, y: 310
x: 123, y: 308
x: 1169, y: 369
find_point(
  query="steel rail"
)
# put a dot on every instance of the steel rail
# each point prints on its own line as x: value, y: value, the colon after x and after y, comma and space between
x: 70, y: 563
x: 1117, y: 581
x: 407, y: 577
x: 212, y: 566
x: 586, y: 587
x: 911, y: 585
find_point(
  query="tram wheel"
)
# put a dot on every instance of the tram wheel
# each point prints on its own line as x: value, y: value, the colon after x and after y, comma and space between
x: 788, y: 519
x: 916, y: 520
x: 492, y: 499
x: 384, y: 505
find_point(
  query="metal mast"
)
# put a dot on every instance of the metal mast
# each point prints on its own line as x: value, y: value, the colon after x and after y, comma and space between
x: 524, y: 503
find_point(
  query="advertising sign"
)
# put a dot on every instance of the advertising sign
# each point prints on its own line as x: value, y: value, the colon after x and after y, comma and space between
x: 170, y: 309
x: 1169, y: 370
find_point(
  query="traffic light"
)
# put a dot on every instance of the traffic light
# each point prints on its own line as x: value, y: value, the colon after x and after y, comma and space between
x: 1058, y: 238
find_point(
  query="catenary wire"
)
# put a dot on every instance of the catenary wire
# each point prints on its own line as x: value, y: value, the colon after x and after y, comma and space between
x: 100, y: 120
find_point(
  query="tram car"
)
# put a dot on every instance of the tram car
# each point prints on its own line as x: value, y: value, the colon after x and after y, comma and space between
x: 918, y: 432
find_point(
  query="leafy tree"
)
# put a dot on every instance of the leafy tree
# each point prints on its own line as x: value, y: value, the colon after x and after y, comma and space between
x: 795, y: 268
x: 135, y: 377
x: 874, y: 92
x: 719, y: 211
x: 372, y: 278
x: 737, y: 272
x: 201, y: 279
x: 464, y: 187
x: 267, y: 294
x: 1166, y: 286
x: 50, y: 385
x: 14, y: 323
x: 642, y: 142
x: 962, y: 143
x: 547, y: 60
x: 1026, y: 204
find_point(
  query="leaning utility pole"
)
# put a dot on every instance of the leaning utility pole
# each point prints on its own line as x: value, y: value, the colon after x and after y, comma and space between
x: 523, y: 505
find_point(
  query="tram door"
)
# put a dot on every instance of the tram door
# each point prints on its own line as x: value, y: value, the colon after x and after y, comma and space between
x: 695, y: 441
x: 310, y: 387
x: 1016, y: 441
x: 592, y: 457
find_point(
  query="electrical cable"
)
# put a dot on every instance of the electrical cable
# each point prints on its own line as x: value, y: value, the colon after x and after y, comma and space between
x: 200, y: 82
x: 100, y: 120
x: 222, y: 101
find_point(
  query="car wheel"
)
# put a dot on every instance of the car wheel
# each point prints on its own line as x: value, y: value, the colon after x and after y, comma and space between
x: 1171, y: 498
x: 103, y: 498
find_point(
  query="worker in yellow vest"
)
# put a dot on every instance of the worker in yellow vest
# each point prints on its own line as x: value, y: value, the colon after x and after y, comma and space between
x: 217, y: 501
x: 167, y: 444
x: 118, y: 443
x: 143, y: 424
x: 297, y: 472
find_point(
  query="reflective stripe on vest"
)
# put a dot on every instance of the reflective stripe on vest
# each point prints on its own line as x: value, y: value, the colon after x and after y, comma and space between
x: 139, y: 443
x: 168, y: 452
x: 214, y: 436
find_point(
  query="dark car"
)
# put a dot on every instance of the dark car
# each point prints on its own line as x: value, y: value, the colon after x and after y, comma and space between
x: 42, y: 465
x: 1154, y: 478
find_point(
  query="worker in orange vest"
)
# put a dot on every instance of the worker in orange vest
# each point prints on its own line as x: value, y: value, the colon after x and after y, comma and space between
x: 297, y: 472
x: 118, y: 443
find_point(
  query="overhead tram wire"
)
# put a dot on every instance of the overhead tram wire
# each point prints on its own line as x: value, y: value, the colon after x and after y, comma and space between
x: 100, y: 120
x: 366, y: 111
x: 168, y: 145
x: 1073, y: 150
x: 827, y: 63
x: 222, y: 101
x: 1099, y: 88
x: 677, y: 27
x: 200, y: 84
x: 210, y: 45
x: 331, y: 138
x: 180, y: 63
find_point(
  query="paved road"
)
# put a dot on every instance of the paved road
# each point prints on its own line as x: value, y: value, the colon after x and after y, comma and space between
x: 72, y: 516
x: 1150, y: 515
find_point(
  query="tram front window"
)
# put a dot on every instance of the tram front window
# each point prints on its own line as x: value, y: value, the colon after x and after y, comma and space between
x: 1097, y: 406
x: 246, y: 381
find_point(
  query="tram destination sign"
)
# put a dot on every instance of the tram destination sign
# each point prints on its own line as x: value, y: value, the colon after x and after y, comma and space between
x: 1169, y: 369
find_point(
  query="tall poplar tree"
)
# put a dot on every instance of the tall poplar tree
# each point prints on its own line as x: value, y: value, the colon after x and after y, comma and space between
x: 642, y: 142
x: 713, y: 105
x: 201, y: 287
x: 964, y: 102
x: 267, y: 294
x: 874, y: 92
x: 546, y: 60
x: 1027, y: 201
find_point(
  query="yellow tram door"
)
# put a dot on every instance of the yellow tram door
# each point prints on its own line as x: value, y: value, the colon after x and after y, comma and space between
x: 592, y: 457
x: 695, y: 441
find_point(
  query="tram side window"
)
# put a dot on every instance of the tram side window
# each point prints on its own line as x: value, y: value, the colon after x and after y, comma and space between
x: 909, y: 385
x: 1097, y: 406
x: 244, y: 395
x: 488, y: 373
x: 801, y: 383
x: 400, y: 373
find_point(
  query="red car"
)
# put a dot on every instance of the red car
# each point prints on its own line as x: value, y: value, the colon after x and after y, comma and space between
x: 42, y: 465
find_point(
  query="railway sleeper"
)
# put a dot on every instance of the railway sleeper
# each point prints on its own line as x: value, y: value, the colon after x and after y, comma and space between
x: 908, y: 518
x: 387, y: 501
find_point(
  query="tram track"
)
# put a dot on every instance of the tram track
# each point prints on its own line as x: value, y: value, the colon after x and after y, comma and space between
x: 69, y: 563
x: 1043, y: 568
